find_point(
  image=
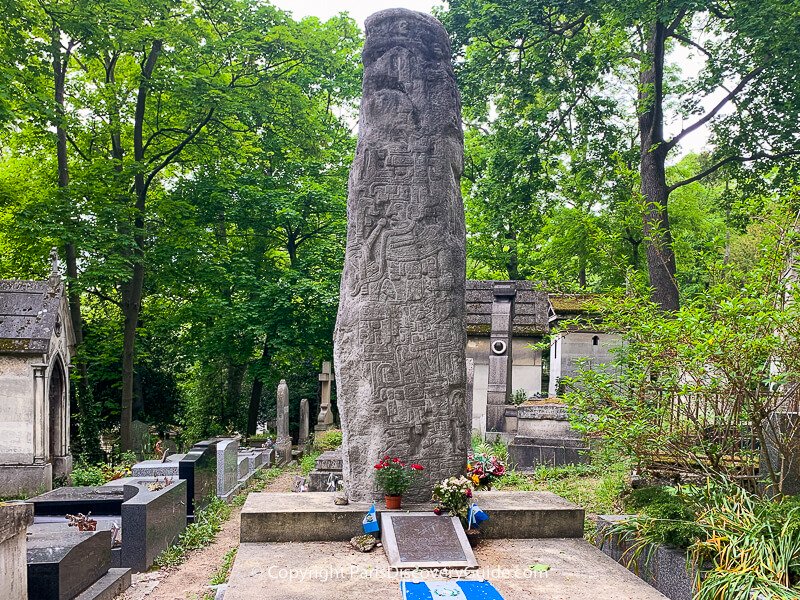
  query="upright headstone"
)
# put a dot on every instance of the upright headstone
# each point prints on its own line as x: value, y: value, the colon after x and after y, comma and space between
x: 302, y: 437
x: 283, y: 442
x: 400, y: 339
x: 325, y: 417
x: 140, y: 439
x: 471, y: 392
x: 498, y: 391
x: 227, y: 467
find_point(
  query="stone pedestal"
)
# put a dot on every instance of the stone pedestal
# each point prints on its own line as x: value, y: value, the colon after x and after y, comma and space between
x: 327, y: 469
x: 400, y: 338
x: 500, y: 360
x: 283, y: 443
x: 544, y: 437
x: 14, y: 521
x: 302, y: 436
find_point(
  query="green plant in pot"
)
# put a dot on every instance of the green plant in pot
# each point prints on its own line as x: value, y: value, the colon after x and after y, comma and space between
x: 394, y: 477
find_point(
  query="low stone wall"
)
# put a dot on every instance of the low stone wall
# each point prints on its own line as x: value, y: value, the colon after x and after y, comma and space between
x: 662, y: 567
x: 14, y: 521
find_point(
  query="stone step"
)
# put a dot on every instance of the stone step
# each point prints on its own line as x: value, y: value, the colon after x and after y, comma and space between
x: 109, y: 586
x: 312, y: 516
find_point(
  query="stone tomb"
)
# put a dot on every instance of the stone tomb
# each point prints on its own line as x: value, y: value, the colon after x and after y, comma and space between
x: 227, y: 468
x: 420, y: 540
x: 63, y: 564
x: 199, y: 469
x: 36, y: 348
x: 327, y: 470
x: 283, y: 441
x: 158, y: 468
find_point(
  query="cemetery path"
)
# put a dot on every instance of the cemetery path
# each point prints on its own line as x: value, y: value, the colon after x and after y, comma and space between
x: 190, y: 580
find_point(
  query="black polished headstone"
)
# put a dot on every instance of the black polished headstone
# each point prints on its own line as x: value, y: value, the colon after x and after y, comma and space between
x: 98, y: 500
x: 199, y: 469
x: 63, y: 563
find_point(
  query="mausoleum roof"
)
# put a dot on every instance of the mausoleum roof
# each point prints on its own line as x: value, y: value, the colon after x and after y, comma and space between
x: 568, y: 306
x: 530, y: 307
x: 29, y: 313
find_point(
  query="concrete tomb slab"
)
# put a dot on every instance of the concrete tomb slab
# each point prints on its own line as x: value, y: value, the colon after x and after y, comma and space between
x: 423, y: 540
x: 158, y: 468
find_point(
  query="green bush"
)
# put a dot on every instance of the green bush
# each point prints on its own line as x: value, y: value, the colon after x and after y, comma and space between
x: 207, y: 524
x: 328, y: 440
x: 308, y: 462
x: 669, y: 517
x: 88, y: 475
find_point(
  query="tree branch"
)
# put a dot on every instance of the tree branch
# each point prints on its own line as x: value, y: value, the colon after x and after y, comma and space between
x: 732, y: 159
x: 691, y: 42
x: 713, y: 112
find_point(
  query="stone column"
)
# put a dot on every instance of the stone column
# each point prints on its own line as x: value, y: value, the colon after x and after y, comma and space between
x: 498, y: 391
x: 41, y: 416
x: 400, y: 339
x: 325, y: 418
x: 283, y: 442
x: 302, y: 437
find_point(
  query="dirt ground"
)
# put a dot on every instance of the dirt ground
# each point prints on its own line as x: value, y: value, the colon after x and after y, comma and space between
x: 190, y: 580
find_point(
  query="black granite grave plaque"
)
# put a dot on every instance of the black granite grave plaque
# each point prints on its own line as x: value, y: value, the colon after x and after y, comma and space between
x: 98, y: 500
x: 199, y: 469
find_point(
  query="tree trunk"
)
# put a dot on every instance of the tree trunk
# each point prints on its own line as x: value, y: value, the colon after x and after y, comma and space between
x: 132, y: 289
x: 653, y: 151
x: 512, y: 260
x: 258, y: 389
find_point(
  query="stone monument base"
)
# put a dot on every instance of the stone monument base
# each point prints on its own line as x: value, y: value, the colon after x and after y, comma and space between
x: 313, y: 517
x: 25, y: 480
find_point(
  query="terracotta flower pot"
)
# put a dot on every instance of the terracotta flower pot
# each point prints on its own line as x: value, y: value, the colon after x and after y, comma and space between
x: 392, y: 502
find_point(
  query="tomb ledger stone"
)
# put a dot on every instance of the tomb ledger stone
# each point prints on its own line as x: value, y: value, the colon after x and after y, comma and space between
x: 399, y: 344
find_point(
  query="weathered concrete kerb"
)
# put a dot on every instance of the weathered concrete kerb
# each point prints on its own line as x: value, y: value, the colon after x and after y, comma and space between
x: 400, y: 339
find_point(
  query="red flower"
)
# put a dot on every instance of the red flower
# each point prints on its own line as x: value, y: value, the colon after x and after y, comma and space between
x: 386, y: 457
x: 469, y: 493
x: 379, y: 466
x: 417, y: 466
x: 437, y: 511
x: 395, y: 460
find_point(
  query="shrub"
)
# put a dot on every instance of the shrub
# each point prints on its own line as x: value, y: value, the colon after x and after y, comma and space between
x: 328, y: 440
x: 88, y: 475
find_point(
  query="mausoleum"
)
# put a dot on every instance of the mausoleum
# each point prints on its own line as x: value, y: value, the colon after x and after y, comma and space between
x: 36, y: 347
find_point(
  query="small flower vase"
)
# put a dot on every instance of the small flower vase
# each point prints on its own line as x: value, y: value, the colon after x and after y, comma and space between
x: 393, y: 502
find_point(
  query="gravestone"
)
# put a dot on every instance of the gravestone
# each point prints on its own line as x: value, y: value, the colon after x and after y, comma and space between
x: 400, y: 338
x: 283, y: 443
x: 415, y: 540
x: 325, y: 417
x: 199, y: 468
x: 140, y: 439
x: 302, y: 437
x: 227, y: 467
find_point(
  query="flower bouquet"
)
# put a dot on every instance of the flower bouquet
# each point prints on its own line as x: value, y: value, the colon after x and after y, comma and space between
x: 452, y: 496
x: 483, y: 469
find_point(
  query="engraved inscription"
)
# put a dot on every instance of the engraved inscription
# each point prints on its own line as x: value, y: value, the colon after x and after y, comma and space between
x: 427, y: 539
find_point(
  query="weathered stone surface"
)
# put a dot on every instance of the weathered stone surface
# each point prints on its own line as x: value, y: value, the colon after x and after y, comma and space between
x: 14, y: 520
x: 227, y: 467
x: 302, y: 437
x: 283, y: 443
x: 400, y: 334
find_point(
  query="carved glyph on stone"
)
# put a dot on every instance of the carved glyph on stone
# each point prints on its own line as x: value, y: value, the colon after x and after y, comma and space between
x: 400, y: 333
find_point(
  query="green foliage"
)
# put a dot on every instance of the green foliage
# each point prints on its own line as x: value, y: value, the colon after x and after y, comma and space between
x: 308, y: 462
x: 328, y: 440
x: 739, y: 544
x: 88, y: 475
x: 393, y: 476
x: 688, y: 391
x: 224, y: 570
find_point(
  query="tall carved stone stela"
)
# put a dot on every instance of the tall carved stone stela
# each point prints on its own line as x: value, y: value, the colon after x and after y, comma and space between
x: 399, y: 345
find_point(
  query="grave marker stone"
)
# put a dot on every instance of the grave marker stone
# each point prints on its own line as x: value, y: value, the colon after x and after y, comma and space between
x: 325, y: 417
x: 418, y: 540
x: 302, y: 438
x: 400, y: 338
x: 283, y: 443
x: 227, y: 467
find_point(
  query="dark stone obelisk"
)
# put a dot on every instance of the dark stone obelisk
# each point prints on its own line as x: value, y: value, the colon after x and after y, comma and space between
x: 399, y: 345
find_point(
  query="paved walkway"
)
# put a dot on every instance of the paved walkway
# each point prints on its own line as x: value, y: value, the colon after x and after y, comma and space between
x: 333, y: 571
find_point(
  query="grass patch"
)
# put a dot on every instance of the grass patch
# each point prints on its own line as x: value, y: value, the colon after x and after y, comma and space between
x: 224, y: 571
x: 328, y: 440
x: 256, y: 483
x: 308, y: 462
